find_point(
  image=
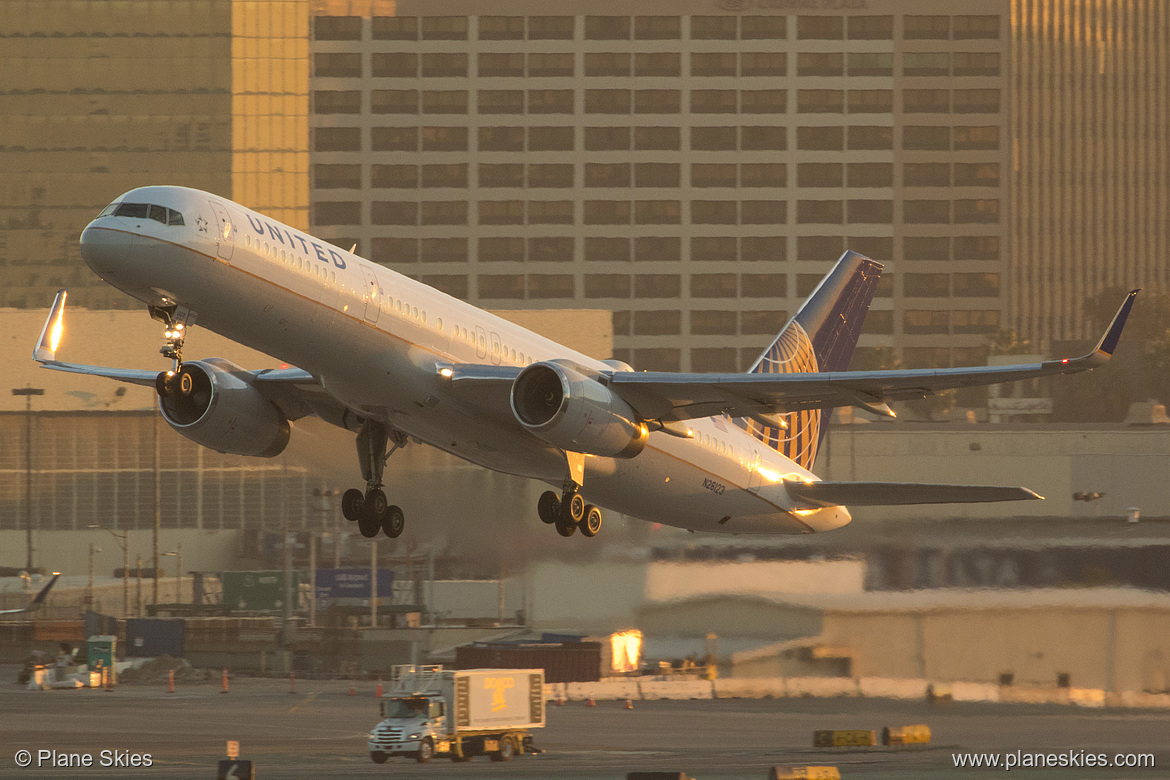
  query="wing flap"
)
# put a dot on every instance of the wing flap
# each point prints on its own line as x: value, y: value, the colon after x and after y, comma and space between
x: 900, y: 493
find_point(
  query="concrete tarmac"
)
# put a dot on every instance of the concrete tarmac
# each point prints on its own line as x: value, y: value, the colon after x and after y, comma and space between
x: 320, y: 731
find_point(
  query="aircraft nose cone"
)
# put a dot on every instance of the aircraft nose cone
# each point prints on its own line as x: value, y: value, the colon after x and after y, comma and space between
x: 106, y: 250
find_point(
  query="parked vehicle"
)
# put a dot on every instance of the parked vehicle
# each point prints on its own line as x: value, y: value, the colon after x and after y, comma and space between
x: 430, y: 711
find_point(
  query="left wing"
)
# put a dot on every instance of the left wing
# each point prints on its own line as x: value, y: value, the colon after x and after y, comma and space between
x: 666, y: 396
x: 37, y: 601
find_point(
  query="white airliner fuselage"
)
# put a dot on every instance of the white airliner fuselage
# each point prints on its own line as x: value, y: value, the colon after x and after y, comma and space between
x: 377, y: 342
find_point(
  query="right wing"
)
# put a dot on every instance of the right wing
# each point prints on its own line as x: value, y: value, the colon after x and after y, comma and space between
x: 296, y: 392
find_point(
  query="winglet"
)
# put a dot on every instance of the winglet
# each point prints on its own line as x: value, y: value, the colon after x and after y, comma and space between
x: 1108, y: 342
x: 46, y: 348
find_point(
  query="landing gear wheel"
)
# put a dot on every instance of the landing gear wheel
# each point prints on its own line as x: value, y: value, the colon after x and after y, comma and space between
x: 374, y: 511
x: 591, y: 523
x: 352, y: 501
x: 378, y: 757
x: 565, y: 526
x: 506, y: 751
x: 575, y: 506
x: 394, y: 521
x: 548, y: 507
x: 426, y: 751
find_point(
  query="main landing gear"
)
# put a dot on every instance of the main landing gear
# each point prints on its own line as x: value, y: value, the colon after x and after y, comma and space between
x: 569, y: 512
x: 371, y: 510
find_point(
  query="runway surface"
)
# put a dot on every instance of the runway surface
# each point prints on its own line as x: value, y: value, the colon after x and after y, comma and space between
x: 320, y: 732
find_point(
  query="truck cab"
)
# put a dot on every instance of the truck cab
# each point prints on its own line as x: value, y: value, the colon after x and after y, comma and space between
x: 408, y: 722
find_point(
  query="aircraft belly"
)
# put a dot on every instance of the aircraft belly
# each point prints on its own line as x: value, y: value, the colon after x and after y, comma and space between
x: 659, y: 487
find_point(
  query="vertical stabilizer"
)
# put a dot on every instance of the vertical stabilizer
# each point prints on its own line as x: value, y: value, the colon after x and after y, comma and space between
x: 821, y: 337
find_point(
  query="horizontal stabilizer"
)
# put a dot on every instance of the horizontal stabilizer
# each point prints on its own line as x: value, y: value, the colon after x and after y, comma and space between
x: 892, y: 493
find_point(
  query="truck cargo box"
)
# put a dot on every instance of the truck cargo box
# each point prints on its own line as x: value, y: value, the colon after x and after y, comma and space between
x: 498, y: 699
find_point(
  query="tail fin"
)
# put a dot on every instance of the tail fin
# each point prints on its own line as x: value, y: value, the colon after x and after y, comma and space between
x: 821, y: 337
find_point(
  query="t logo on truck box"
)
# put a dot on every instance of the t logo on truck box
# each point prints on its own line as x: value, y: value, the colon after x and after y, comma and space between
x: 498, y: 685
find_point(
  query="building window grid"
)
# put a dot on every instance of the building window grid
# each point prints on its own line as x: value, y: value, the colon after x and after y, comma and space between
x: 977, y: 210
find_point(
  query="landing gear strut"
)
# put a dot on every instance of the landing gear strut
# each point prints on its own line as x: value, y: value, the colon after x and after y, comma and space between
x: 371, y: 510
x: 176, y: 319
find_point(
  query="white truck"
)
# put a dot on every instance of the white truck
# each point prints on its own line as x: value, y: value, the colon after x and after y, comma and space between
x: 429, y: 711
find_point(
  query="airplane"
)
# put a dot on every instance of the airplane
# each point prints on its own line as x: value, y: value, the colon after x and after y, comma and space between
x: 37, y: 601
x: 395, y: 361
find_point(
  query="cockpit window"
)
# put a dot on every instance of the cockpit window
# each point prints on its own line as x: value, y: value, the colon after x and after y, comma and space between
x: 132, y: 210
x: 148, y: 210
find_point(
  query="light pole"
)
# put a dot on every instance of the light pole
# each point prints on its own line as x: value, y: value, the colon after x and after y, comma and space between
x: 157, y: 508
x: 138, y: 571
x: 28, y: 393
x: 89, y: 590
x: 178, y: 555
x: 124, y: 541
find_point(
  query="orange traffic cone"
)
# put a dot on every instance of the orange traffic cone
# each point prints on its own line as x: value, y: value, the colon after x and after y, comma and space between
x: 352, y: 690
x: 590, y: 703
x: 378, y: 690
x: 225, y: 683
x: 629, y: 704
x: 171, y: 681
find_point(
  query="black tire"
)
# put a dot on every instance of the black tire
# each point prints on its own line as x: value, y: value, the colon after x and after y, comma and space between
x: 506, y: 751
x: 548, y: 507
x: 351, y: 504
x: 426, y: 751
x: 574, y: 507
x: 591, y: 522
x: 394, y: 522
x: 378, y: 757
x: 565, y: 526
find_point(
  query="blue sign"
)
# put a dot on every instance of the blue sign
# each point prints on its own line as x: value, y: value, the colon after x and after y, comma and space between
x: 352, y: 584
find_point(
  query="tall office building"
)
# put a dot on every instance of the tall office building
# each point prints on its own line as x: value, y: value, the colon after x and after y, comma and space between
x: 1091, y: 179
x: 100, y: 96
x: 694, y: 166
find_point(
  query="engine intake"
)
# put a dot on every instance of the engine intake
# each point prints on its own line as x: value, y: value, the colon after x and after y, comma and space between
x: 212, y: 403
x: 559, y: 402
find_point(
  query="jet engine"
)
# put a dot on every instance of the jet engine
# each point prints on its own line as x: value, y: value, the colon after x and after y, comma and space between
x: 212, y: 403
x: 566, y: 406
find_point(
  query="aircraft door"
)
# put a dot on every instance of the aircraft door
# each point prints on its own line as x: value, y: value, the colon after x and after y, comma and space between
x: 225, y: 231
x: 371, y: 294
x: 481, y: 343
x: 754, y: 472
x: 496, y: 348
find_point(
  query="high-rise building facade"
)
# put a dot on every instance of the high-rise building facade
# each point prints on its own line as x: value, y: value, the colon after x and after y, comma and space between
x: 100, y: 96
x: 1091, y: 168
x: 693, y: 166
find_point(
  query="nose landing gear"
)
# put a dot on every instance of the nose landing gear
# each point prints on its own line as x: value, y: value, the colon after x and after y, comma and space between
x: 177, y: 319
x: 371, y: 510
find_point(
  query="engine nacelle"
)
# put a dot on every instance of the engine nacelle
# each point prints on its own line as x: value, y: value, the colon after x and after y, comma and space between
x: 561, y: 404
x: 212, y: 403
